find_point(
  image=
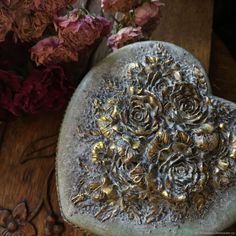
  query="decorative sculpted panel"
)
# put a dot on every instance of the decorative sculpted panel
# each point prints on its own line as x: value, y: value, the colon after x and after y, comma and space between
x: 161, y: 148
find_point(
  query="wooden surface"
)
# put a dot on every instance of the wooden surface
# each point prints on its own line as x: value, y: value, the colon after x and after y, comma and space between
x: 28, y: 147
x: 189, y: 25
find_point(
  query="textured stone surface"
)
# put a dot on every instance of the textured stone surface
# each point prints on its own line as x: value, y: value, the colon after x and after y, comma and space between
x: 70, y: 150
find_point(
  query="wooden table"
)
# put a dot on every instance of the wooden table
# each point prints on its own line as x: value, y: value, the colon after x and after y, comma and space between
x: 29, y: 144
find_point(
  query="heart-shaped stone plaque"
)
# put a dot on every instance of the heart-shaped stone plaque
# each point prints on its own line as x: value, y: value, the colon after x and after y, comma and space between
x: 146, y: 149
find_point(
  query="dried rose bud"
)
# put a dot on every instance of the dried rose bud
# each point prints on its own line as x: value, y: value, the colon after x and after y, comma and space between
x: 51, y: 7
x: 5, y: 24
x: 78, y: 32
x: 149, y: 11
x: 125, y: 36
x: 51, y: 51
x: 117, y: 5
x: 30, y: 26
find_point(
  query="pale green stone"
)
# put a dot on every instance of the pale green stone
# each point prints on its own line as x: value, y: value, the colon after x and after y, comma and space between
x: 222, y: 213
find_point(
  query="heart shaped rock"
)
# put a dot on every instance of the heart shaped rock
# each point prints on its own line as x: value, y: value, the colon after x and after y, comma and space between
x: 146, y: 149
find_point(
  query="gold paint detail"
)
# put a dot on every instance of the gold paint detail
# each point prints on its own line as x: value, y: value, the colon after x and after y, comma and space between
x: 161, y: 142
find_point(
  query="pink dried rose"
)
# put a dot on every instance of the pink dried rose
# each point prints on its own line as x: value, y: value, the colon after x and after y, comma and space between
x: 125, y: 36
x: 5, y: 24
x: 78, y: 32
x: 44, y: 90
x: 72, y: 17
x: 149, y: 11
x: 52, y: 51
x: 29, y: 26
x: 51, y: 7
x: 117, y: 5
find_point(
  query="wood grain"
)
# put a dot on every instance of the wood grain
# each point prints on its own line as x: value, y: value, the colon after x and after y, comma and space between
x: 186, y: 23
x: 189, y: 25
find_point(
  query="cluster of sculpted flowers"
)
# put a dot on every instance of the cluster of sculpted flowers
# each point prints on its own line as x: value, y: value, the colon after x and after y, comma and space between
x: 160, y: 139
x: 149, y: 125
x: 51, y: 33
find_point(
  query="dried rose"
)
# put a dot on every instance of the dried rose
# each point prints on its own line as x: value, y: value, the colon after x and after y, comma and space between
x: 17, y: 4
x: 10, y: 84
x: 117, y: 5
x: 125, y: 36
x: 5, y: 24
x: 149, y: 11
x: 44, y: 90
x: 51, y: 7
x: 30, y: 26
x: 78, y: 32
x: 51, y: 50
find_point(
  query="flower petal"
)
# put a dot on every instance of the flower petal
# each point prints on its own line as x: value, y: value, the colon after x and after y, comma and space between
x: 20, y: 212
x: 27, y: 229
x: 4, y: 215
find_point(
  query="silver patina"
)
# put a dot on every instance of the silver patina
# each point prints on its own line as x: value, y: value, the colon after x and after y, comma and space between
x: 145, y: 149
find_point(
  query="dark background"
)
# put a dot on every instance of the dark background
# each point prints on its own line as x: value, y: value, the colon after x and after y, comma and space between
x: 225, y: 23
x: 223, y: 66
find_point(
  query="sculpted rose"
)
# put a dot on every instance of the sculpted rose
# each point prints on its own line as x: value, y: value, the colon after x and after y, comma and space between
x: 188, y: 105
x: 180, y: 174
x: 140, y: 115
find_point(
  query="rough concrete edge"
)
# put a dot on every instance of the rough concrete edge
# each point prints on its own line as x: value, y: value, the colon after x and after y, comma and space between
x: 67, y: 120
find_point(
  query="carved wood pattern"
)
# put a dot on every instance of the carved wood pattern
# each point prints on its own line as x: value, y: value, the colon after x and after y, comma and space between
x: 52, y: 225
x: 28, y: 146
x: 16, y: 221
